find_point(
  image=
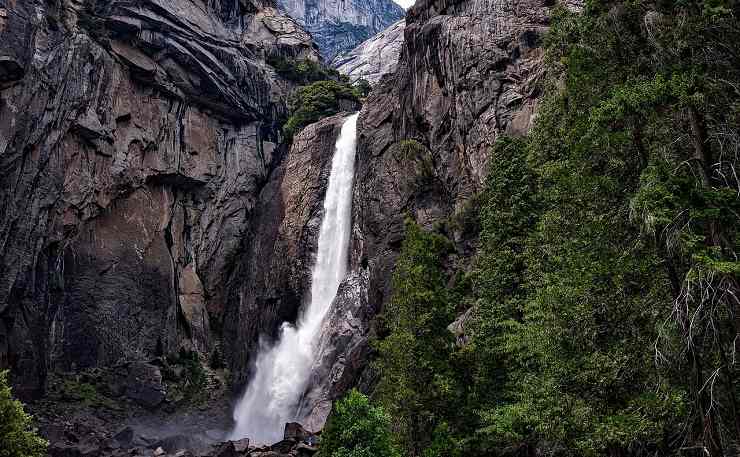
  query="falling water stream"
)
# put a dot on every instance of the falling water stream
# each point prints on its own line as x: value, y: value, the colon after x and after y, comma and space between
x: 282, y: 371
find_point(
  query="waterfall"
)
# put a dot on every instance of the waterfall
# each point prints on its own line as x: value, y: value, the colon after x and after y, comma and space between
x: 282, y: 371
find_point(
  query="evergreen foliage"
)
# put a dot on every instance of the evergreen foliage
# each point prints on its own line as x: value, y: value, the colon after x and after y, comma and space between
x: 604, y: 290
x: 316, y: 101
x: 363, y: 87
x: 18, y: 438
x: 418, y: 384
x: 303, y: 71
x: 357, y: 429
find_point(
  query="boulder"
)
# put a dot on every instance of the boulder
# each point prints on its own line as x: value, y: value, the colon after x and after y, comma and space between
x: 183, y: 453
x: 295, y: 431
x: 124, y: 437
x: 144, y: 385
x: 241, y: 446
x: 283, y: 447
x: 306, y: 450
x: 174, y: 443
x: 226, y: 449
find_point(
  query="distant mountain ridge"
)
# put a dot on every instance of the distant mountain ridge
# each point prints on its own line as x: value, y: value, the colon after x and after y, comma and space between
x: 375, y: 57
x: 339, y: 26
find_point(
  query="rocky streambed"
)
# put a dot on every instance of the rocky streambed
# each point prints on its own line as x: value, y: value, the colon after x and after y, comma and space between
x: 164, y: 407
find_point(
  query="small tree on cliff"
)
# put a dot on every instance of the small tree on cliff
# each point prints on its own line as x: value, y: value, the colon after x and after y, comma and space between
x: 357, y: 429
x: 17, y: 436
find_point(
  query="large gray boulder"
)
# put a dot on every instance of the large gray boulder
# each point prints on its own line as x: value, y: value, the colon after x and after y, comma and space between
x: 144, y: 385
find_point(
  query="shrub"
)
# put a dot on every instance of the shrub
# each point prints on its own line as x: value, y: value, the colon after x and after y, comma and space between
x: 363, y: 87
x: 18, y: 438
x: 314, y: 102
x: 357, y: 429
x: 301, y: 71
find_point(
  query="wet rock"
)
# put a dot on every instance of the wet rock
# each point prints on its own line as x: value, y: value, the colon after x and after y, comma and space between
x: 172, y: 444
x: 295, y: 431
x: 276, y: 270
x: 306, y: 450
x: 144, y: 385
x: 74, y: 450
x: 342, y: 349
x: 226, y: 449
x: 241, y: 446
x: 183, y: 453
x: 125, y: 437
x: 283, y: 447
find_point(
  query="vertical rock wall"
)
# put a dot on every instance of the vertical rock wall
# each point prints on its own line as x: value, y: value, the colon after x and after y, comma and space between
x: 339, y: 26
x: 467, y: 73
x: 135, y: 138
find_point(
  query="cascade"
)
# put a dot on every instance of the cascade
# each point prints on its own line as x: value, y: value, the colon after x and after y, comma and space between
x: 282, y: 371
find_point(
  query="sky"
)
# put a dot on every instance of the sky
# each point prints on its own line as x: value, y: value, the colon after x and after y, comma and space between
x: 405, y: 3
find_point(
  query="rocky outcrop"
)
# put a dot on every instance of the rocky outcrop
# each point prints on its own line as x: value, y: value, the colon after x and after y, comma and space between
x: 275, y: 272
x: 467, y: 74
x: 135, y: 139
x: 339, y: 26
x: 375, y: 57
x: 342, y: 350
x: 145, y: 385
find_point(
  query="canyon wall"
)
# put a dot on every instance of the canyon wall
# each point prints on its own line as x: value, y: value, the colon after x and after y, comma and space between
x: 373, y: 58
x: 339, y: 26
x: 468, y: 73
x: 135, y: 138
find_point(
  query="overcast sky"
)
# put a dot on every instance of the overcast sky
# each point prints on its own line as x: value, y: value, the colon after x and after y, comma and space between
x: 405, y: 3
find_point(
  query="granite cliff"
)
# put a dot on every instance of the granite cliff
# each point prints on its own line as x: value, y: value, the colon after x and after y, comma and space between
x: 150, y: 203
x: 134, y: 141
x: 373, y: 58
x: 339, y: 26
x: 468, y: 72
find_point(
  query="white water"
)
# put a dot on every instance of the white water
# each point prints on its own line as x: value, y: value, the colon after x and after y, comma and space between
x: 282, y: 371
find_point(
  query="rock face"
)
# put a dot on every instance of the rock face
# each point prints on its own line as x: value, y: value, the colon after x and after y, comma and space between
x: 339, y: 26
x: 375, y: 57
x: 343, y: 350
x: 467, y: 73
x: 135, y: 139
x: 275, y: 271
x: 145, y: 385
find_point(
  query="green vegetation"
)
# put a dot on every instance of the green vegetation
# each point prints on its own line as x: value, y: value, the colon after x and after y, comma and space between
x: 18, y: 438
x: 603, y: 292
x: 357, y: 429
x: 185, y: 377
x: 85, y: 393
x: 316, y: 101
x: 413, y: 152
x: 303, y: 71
x: 363, y: 87
x: 417, y: 382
